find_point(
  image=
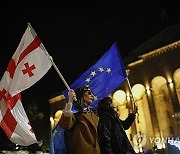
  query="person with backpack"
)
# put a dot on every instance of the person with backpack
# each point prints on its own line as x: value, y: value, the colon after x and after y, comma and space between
x: 80, y: 123
x: 112, y: 137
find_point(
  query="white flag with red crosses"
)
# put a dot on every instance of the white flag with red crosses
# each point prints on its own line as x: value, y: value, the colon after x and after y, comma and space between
x: 29, y: 64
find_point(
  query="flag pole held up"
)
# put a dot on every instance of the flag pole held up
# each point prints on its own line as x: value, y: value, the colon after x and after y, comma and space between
x: 28, y: 65
x: 134, y: 102
x: 51, y: 59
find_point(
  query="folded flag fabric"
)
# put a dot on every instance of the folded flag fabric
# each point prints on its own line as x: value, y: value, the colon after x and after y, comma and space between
x: 57, y: 145
x: 29, y: 64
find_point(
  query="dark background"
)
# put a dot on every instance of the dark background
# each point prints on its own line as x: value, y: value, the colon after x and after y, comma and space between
x: 76, y: 35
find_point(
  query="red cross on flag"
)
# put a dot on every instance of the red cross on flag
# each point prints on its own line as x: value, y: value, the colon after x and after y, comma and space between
x: 29, y: 64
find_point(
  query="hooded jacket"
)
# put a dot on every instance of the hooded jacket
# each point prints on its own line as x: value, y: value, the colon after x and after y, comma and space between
x: 112, y: 137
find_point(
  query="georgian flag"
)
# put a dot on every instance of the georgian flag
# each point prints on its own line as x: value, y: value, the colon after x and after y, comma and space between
x: 29, y: 64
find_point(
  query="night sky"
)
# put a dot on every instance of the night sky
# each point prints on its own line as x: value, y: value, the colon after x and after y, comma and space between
x: 76, y: 35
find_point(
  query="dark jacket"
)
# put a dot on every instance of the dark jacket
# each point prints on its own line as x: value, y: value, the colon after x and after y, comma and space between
x: 111, y: 135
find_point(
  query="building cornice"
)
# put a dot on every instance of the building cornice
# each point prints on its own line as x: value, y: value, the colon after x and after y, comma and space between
x: 135, y: 63
x: 160, y: 50
x: 57, y: 98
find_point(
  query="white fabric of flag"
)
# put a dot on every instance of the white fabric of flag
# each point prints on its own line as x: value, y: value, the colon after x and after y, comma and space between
x: 29, y: 64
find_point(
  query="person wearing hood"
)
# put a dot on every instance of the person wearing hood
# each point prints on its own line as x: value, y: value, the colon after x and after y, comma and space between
x: 79, y: 117
x: 112, y: 137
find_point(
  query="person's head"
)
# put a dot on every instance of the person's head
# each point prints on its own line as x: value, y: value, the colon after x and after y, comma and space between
x: 106, y: 104
x: 84, y: 96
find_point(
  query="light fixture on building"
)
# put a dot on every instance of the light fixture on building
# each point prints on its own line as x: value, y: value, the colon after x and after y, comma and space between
x: 120, y: 97
x: 170, y: 82
x: 148, y: 90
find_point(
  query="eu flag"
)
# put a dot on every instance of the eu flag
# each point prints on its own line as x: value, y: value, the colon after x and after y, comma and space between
x: 104, y: 76
x: 57, y: 145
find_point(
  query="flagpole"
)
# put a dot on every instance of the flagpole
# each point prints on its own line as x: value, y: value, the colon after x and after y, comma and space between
x: 134, y: 102
x: 59, y: 73
x: 51, y: 59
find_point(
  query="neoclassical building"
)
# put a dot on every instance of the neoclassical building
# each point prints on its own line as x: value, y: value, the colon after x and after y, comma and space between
x: 154, y: 75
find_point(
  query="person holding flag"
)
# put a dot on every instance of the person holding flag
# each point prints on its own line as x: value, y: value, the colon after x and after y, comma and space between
x: 102, y: 78
x: 79, y: 118
x: 111, y: 135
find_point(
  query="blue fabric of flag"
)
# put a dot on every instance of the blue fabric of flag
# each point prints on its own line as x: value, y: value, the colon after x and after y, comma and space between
x: 173, y: 146
x: 104, y: 76
x: 57, y: 145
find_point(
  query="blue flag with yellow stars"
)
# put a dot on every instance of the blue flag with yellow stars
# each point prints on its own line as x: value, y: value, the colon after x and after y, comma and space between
x: 57, y: 145
x: 104, y: 76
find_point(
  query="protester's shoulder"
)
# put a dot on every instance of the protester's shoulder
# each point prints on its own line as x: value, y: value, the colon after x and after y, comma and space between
x: 106, y: 115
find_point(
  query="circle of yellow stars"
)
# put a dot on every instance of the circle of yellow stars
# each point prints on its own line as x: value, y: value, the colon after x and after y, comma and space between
x: 94, y: 73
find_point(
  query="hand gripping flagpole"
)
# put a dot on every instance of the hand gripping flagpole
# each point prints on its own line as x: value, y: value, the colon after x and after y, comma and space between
x: 51, y: 59
x: 134, y: 102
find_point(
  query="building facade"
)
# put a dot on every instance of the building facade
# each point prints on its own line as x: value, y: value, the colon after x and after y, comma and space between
x: 154, y: 84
